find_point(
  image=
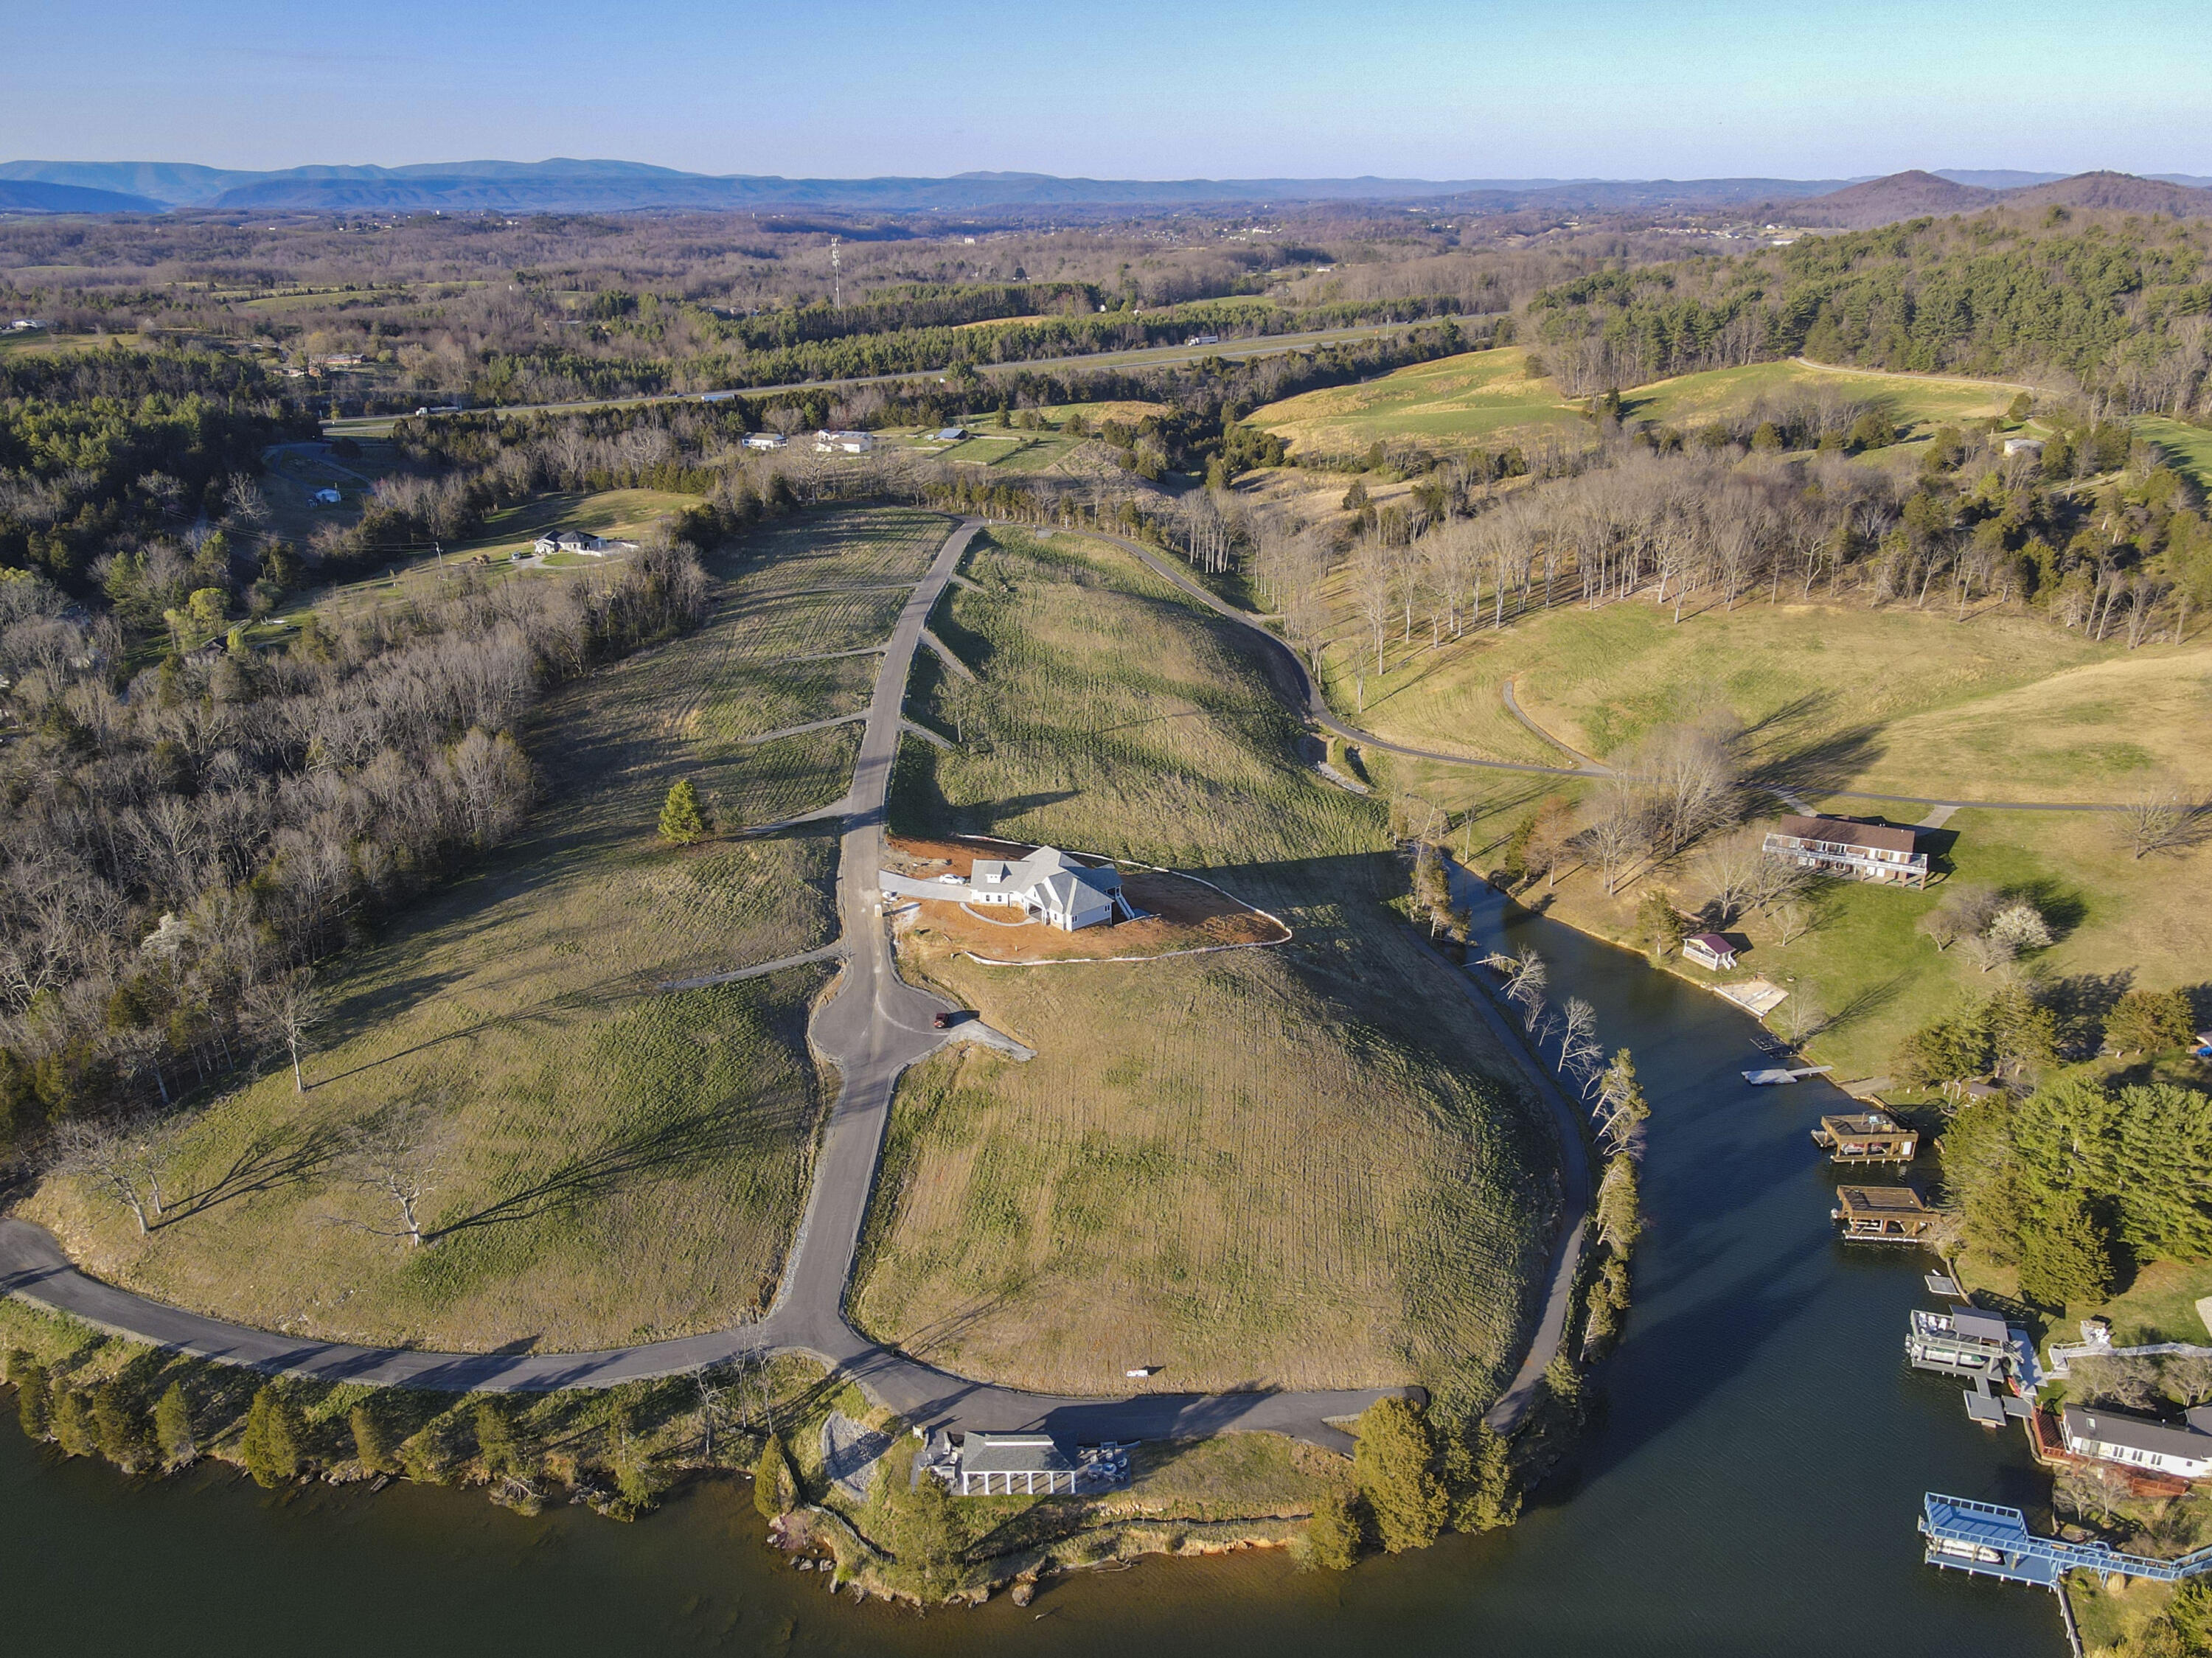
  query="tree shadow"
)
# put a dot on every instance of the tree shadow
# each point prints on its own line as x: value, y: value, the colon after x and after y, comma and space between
x: 1823, y: 765
x: 275, y: 1156
x: 659, y: 1150
x: 1869, y: 1001
x: 2063, y: 906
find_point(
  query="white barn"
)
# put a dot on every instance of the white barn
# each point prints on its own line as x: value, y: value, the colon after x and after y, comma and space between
x: 850, y: 443
x: 580, y: 541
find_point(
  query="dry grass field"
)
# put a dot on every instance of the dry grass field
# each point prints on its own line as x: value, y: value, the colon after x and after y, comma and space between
x: 608, y: 1163
x: 1918, y: 403
x: 1294, y: 1166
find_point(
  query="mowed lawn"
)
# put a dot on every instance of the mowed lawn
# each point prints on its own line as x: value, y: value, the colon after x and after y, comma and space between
x: 1488, y: 397
x: 1294, y: 1166
x: 609, y: 1162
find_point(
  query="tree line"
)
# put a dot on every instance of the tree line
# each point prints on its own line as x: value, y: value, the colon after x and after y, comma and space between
x: 180, y: 845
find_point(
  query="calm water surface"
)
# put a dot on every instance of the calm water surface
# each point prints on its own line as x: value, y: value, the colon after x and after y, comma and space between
x: 1751, y: 1487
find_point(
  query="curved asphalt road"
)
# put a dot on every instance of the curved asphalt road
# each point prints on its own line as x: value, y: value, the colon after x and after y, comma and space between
x: 874, y: 1028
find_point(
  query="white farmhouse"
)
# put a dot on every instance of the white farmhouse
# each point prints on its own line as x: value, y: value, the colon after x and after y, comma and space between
x: 847, y: 443
x: 765, y: 440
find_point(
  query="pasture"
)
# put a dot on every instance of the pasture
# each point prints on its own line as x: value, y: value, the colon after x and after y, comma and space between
x: 2189, y: 447
x: 1296, y: 1166
x: 1918, y: 402
x: 605, y: 1162
x: 1489, y: 398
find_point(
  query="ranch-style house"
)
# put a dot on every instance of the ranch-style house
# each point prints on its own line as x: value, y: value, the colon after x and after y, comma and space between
x: 1848, y: 847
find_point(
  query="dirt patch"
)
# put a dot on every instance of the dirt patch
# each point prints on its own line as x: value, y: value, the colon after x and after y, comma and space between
x: 1180, y: 914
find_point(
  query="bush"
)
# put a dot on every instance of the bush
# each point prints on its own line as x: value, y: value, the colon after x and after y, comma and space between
x: 775, y: 1484
x: 1334, y: 1534
x: 1395, y: 1467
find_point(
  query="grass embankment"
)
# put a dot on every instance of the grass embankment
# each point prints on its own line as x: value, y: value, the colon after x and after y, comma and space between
x: 610, y: 1162
x: 1295, y: 1166
x: 1895, y: 701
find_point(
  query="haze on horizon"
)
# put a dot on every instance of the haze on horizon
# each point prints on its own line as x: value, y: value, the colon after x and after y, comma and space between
x: 1221, y: 88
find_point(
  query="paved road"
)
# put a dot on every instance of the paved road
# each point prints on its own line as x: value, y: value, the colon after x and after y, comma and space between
x: 1156, y: 357
x: 870, y: 1029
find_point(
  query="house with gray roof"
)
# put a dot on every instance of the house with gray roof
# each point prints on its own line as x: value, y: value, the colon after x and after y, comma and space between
x: 2141, y: 1441
x: 1023, y: 1465
x: 1047, y: 885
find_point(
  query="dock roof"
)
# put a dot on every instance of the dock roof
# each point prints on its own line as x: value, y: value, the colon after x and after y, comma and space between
x: 986, y: 1452
x: 1900, y: 1199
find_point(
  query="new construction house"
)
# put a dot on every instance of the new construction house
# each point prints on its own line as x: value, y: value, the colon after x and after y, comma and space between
x: 1883, y: 1214
x: 1866, y: 1137
x: 1047, y: 885
x: 1848, y: 847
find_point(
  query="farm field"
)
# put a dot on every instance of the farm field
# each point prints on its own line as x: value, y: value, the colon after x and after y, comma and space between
x: 1918, y: 403
x: 1488, y: 397
x: 1193, y: 1172
x: 612, y: 1163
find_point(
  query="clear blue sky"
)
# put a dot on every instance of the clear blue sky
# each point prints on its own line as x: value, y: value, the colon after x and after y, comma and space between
x: 1455, y: 88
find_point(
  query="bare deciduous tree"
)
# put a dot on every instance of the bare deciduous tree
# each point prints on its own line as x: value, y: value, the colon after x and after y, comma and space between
x: 281, y: 1011
x: 124, y: 1158
x: 396, y: 1155
x: 2156, y: 817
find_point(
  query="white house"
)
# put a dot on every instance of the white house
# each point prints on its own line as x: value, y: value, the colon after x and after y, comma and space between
x: 849, y: 443
x: 580, y: 541
x: 1047, y: 886
x: 765, y: 440
x: 2141, y: 1441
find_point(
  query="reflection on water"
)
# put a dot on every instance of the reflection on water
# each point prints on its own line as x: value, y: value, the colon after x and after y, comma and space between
x: 1750, y: 1487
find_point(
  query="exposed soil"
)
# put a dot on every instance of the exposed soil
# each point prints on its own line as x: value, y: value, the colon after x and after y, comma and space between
x: 1180, y: 914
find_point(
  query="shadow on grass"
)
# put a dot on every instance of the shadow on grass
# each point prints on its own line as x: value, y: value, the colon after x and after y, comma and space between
x: 656, y: 1151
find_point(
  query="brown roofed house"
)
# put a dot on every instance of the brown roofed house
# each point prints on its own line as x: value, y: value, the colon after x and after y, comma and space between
x: 1848, y: 847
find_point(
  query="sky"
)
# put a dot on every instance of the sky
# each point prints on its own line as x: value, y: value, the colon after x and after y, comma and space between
x: 1213, y: 89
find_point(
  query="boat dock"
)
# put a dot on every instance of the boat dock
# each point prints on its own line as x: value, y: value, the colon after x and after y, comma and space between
x: 1989, y: 1541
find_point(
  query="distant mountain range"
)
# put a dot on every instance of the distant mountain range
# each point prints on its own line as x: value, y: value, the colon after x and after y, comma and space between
x: 565, y: 185
x: 1911, y: 194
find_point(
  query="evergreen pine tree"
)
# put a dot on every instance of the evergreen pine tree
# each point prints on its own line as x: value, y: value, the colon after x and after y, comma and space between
x: 2064, y: 1254
x: 1479, y: 1475
x: 496, y: 1439
x: 172, y: 1428
x: 1395, y: 1468
x: 1333, y: 1535
x: 1564, y: 1385
x: 919, y: 1522
x: 271, y: 1441
x: 34, y: 1395
x: 372, y: 1446
x: 72, y: 1421
x: 681, y: 821
x: 776, y: 1485
x: 118, y: 1425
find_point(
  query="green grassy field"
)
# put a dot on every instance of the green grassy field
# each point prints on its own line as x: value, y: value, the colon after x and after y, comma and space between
x: 615, y: 1163
x: 1479, y: 397
x: 2189, y: 446
x: 1918, y: 402
x: 1191, y: 1172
